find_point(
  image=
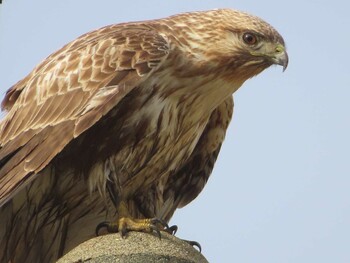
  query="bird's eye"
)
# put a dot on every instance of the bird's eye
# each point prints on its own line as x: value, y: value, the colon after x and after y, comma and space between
x: 250, y: 39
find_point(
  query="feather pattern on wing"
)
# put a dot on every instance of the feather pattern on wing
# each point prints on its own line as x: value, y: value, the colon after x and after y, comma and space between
x: 68, y: 93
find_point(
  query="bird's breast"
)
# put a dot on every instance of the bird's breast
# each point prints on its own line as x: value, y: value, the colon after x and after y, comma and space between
x: 154, y: 129
x: 152, y: 136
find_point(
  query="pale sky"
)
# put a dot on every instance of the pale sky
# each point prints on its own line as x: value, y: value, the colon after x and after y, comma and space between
x: 280, y: 188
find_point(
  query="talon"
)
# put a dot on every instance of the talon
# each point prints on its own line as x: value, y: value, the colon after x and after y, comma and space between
x: 123, y: 232
x: 194, y: 244
x: 156, y: 221
x: 111, y: 228
x: 101, y: 225
x: 154, y: 228
x: 172, y: 230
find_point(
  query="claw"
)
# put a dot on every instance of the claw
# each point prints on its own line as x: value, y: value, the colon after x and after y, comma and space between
x: 194, y: 244
x: 155, y: 229
x: 111, y: 228
x: 161, y: 222
x: 101, y: 225
x: 123, y: 231
x: 156, y: 221
x: 172, y: 230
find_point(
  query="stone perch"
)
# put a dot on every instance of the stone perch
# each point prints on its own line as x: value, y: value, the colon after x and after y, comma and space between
x: 136, y: 248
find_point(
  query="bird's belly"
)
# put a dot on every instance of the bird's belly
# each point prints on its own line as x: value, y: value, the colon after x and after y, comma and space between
x: 160, y: 138
x: 157, y: 155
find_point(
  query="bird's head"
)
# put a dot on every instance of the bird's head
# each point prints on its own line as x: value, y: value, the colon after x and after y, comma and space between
x: 248, y: 45
x: 236, y: 43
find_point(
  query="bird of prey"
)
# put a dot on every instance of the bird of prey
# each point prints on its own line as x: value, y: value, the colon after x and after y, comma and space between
x: 123, y: 126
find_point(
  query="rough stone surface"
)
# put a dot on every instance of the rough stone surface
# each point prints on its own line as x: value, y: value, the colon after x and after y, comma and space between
x: 136, y: 248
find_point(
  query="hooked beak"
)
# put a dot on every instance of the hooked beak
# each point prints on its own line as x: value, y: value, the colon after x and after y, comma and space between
x: 280, y: 57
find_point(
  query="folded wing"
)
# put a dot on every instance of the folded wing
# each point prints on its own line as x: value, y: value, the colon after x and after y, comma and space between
x: 68, y: 93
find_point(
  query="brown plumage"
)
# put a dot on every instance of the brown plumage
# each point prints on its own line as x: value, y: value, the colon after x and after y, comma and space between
x: 132, y: 113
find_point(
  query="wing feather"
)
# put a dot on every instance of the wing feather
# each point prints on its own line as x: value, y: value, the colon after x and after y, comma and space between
x: 68, y: 93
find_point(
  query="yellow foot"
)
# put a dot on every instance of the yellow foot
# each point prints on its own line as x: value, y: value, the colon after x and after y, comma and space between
x: 126, y: 224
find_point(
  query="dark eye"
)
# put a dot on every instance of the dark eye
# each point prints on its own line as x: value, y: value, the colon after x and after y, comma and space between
x: 250, y: 39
